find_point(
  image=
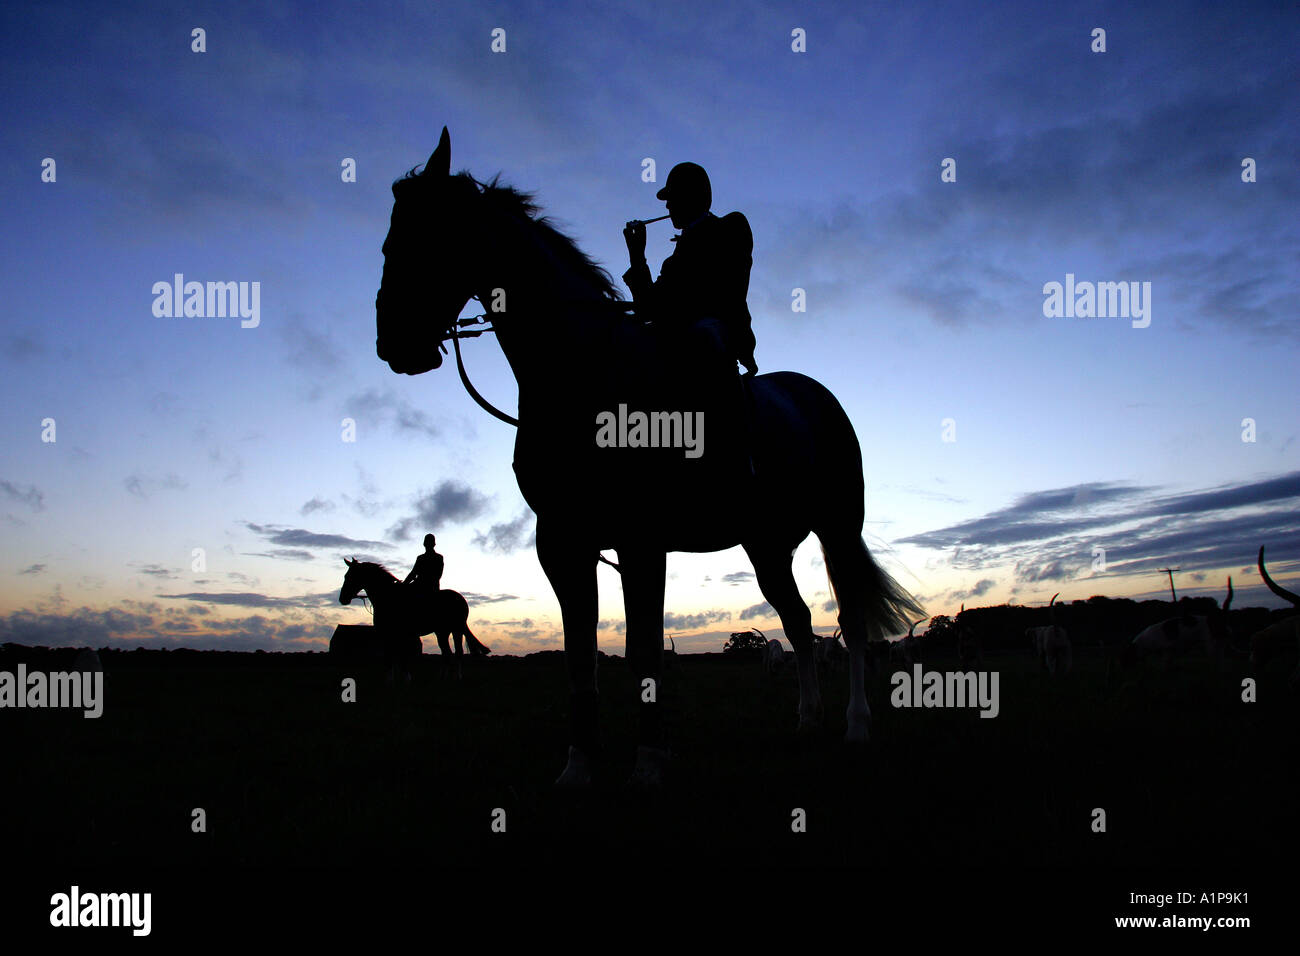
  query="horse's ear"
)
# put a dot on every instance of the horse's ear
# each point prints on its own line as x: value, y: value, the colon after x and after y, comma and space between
x: 349, y: 561
x: 439, y: 163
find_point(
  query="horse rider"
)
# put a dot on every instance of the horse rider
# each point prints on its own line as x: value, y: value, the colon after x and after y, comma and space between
x: 426, y: 575
x: 698, y: 303
x: 702, y: 286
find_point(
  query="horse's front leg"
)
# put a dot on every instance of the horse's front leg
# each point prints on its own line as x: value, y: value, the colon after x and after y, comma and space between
x: 643, y: 604
x: 444, y: 648
x: 570, y: 566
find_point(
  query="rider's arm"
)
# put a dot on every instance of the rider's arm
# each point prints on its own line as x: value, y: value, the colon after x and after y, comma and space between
x: 639, y: 282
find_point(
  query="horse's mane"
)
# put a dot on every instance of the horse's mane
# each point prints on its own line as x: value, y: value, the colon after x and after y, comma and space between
x: 511, y: 201
x: 376, y: 564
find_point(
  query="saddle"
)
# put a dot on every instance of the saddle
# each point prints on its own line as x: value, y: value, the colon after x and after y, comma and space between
x: 423, y: 607
x: 687, y: 373
x: 653, y: 442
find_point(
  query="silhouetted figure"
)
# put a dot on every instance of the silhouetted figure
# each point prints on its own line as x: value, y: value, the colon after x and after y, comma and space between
x: 578, y: 358
x: 702, y: 286
x: 426, y: 574
x: 401, y: 621
x: 698, y: 304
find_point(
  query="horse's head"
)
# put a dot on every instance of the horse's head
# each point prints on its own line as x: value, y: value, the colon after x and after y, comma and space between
x: 353, y: 581
x: 428, y: 264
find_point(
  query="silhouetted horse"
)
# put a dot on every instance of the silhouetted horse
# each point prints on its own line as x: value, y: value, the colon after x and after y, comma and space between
x: 577, y: 355
x: 400, y: 620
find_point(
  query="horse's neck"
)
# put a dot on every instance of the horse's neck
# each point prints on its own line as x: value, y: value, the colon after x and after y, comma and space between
x: 544, y: 331
x: 378, y: 586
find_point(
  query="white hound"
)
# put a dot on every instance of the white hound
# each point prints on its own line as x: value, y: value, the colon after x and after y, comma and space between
x: 1183, y: 634
x: 1052, y: 643
x: 776, y: 658
x: 1280, y: 637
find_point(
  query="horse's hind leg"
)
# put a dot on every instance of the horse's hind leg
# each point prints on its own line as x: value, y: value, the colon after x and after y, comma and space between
x: 776, y: 581
x: 848, y: 566
x: 459, y: 637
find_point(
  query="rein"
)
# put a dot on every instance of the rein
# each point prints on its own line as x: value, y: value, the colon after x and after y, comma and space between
x: 459, y: 331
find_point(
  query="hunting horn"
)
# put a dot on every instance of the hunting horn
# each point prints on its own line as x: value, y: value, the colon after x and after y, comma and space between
x: 646, y: 222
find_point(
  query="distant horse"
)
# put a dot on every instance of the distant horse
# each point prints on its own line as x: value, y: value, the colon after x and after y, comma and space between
x: 578, y: 357
x: 401, y: 621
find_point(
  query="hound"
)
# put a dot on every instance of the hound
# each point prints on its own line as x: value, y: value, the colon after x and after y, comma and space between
x: 969, y: 646
x: 775, y: 658
x: 671, y: 661
x: 1279, y: 637
x: 1052, y: 643
x: 906, y: 649
x: 1179, y: 635
x: 830, y: 652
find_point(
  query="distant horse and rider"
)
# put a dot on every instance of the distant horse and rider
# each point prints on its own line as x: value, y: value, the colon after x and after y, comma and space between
x: 781, y: 460
x: 407, y: 610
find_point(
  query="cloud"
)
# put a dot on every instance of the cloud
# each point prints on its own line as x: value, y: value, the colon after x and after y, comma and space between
x: 474, y: 598
x: 757, y: 611
x: 384, y: 406
x: 31, y: 496
x: 282, y: 554
x: 21, y: 346
x: 738, y: 577
x: 308, y: 348
x: 302, y: 538
x: 452, y: 502
x: 1058, y: 535
x: 254, y: 599
x: 316, y: 504
x: 690, y: 622
x: 33, y: 569
x: 134, y: 624
x: 143, y: 486
x: 157, y: 571
x: 981, y: 588
x: 508, y: 537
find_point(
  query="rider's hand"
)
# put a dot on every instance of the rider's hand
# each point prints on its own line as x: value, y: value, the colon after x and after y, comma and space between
x: 634, y: 236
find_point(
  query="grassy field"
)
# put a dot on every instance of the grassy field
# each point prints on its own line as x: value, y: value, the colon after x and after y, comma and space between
x: 288, y: 774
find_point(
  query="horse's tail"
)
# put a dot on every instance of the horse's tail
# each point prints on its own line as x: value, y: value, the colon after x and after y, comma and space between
x: 476, y: 647
x: 866, y: 593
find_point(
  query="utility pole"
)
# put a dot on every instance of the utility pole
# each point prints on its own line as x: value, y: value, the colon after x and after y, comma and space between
x: 1170, y: 572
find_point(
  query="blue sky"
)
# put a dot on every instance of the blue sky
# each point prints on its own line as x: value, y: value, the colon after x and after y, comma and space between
x: 924, y: 298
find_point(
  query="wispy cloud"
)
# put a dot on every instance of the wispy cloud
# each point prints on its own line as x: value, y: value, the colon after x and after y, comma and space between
x: 254, y: 599
x: 145, y: 486
x: 301, y: 538
x: 1056, y: 535
x: 28, y: 495
x: 452, y: 502
x: 690, y: 622
x: 375, y: 407
x: 507, y: 537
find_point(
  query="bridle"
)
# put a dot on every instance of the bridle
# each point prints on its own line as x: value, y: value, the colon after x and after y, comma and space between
x: 460, y: 330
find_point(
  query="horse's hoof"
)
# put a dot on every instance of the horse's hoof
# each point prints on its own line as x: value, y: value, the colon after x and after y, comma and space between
x: 858, y: 733
x: 577, y: 772
x: 648, y: 773
x: 812, y: 721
